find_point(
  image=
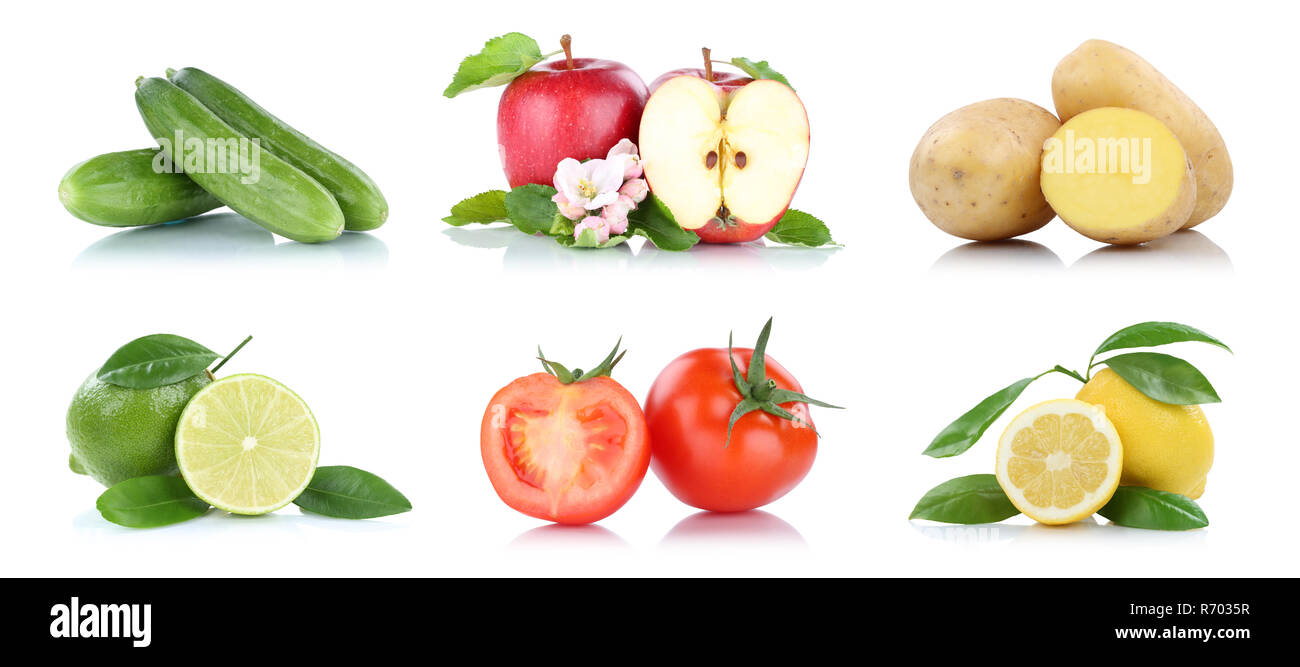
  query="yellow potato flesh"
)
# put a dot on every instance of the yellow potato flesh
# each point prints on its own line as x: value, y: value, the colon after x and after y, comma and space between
x: 1118, y: 176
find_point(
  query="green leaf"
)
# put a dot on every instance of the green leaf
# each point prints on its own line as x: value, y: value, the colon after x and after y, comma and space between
x: 561, y: 226
x: 1152, y: 334
x: 960, y: 435
x: 149, y: 502
x: 654, y: 221
x: 1164, y: 378
x: 967, y: 500
x: 801, y: 229
x: 1140, y: 507
x: 483, y: 208
x: 345, y: 492
x: 759, y: 70
x: 154, y: 361
x: 587, y: 239
x: 530, y: 208
x: 501, y: 60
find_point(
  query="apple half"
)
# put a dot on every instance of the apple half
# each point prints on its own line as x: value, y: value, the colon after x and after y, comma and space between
x: 726, y: 162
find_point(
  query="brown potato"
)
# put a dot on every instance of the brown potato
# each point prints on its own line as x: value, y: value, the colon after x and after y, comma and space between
x: 975, y: 173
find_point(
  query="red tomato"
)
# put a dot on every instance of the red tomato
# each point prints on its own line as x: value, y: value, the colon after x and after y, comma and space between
x: 568, y: 453
x: 687, y: 412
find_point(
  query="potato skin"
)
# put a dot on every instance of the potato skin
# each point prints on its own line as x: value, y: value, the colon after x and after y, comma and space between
x: 1102, y: 74
x: 975, y: 172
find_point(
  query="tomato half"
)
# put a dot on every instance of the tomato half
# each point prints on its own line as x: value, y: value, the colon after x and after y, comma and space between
x: 687, y: 412
x: 568, y: 453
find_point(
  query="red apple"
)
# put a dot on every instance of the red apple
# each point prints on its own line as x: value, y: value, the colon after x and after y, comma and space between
x: 724, y: 153
x: 576, y: 107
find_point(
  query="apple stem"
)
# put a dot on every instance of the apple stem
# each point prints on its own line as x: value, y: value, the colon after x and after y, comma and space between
x: 566, y: 43
x: 708, y: 64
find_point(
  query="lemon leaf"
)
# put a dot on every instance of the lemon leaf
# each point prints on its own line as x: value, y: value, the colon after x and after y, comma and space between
x: 966, y: 500
x: 1164, y: 378
x: 1140, y: 507
x: 967, y: 429
x: 1153, y: 334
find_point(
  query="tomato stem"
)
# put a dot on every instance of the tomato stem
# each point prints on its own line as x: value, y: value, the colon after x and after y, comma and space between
x: 566, y: 376
x: 759, y: 392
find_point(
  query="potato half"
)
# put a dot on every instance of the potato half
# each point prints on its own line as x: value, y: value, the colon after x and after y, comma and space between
x: 1101, y: 74
x: 1118, y: 176
x: 975, y: 171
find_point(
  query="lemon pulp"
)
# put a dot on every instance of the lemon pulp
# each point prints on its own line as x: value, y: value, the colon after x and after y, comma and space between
x: 1060, y: 461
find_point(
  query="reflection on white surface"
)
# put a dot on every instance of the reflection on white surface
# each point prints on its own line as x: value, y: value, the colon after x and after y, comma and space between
x: 225, y: 239
x: 1015, y: 255
x: 733, y: 529
x: 983, y: 533
x: 284, y: 521
x: 1088, y: 532
x: 559, y: 537
x: 1188, y: 250
x: 543, y: 253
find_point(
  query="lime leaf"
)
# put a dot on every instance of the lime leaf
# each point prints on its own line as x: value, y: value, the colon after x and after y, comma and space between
x: 1140, y: 507
x: 801, y: 229
x: 1152, y: 334
x: 483, y: 208
x: 655, y: 222
x: 960, y: 435
x: 501, y: 60
x: 759, y: 70
x: 967, y: 500
x: 149, y: 502
x: 345, y: 492
x: 154, y: 361
x: 530, y: 208
x: 1164, y: 378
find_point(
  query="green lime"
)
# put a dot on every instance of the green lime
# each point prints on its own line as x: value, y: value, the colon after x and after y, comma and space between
x: 118, y: 433
x: 247, y: 444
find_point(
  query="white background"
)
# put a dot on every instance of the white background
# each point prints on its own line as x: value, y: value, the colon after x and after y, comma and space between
x: 397, y: 339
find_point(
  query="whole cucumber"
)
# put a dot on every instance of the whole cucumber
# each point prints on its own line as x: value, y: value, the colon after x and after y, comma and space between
x: 364, y: 206
x: 251, y: 180
x: 131, y: 189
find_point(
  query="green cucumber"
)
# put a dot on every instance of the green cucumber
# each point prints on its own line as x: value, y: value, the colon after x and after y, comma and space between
x: 131, y: 189
x: 275, y: 195
x: 364, y: 206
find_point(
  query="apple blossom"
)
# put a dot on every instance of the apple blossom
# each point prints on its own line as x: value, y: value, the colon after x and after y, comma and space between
x: 595, y: 223
x: 568, y: 210
x: 616, y: 214
x: 627, y: 151
x: 591, y: 184
x: 635, y: 189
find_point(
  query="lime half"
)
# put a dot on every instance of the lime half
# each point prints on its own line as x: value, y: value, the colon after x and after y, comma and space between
x: 247, y: 444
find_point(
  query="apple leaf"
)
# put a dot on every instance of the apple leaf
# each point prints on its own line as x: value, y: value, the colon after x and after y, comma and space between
x: 483, y: 208
x: 530, y: 208
x: 801, y: 229
x: 501, y: 60
x: 587, y: 239
x: 760, y: 70
x: 654, y: 221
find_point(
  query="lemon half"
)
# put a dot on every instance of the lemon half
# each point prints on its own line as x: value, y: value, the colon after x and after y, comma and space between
x: 1060, y: 461
x: 247, y: 444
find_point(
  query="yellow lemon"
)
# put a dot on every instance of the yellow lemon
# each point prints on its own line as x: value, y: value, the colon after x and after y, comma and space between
x: 1166, y: 447
x: 1060, y: 461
